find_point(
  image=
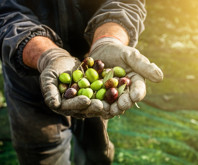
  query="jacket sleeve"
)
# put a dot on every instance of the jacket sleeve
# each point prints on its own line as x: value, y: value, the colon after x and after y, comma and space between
x: 17, y: 26
x: 128, y: 13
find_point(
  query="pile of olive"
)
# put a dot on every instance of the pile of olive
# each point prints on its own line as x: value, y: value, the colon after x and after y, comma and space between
x: 95, y: 81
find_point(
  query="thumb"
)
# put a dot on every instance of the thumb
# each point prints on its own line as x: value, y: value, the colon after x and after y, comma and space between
x: 51, y: 94
x: 78, y: 103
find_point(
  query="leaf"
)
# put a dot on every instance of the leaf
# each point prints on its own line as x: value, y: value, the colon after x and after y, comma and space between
x: 137, y: 105
x: 121, y: 89
x: 108, y: 76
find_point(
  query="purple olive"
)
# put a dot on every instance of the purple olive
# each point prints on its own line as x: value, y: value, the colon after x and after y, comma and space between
x: 111, y: 83
x: 111, y: 95
x: 88, y: 62
x: 70, y: 93
x: 75, y: 86
x: 98, y: 66
x: 124, y: 80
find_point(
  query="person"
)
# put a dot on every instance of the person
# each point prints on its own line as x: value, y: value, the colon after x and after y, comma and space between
x: 39, y: 40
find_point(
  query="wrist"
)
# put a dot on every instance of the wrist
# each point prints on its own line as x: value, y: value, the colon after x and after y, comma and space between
x: 35, y: 48
x: 111, y: 30
x: 50, y: 56
x: 104, y: 40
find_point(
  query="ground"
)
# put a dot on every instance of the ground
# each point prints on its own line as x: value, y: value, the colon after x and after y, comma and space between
x: 164, y: 129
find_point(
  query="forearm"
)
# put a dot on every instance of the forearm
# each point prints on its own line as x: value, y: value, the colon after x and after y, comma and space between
x: 112, y: 30
x: 128, y: 14
x: 18, y: 26
x: 34, y: 49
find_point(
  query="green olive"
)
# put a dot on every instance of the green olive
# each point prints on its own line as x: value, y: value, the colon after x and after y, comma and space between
x: 101, y: 94
x: 83, y: 83
x: 119, y: 71
x: 80, y: 91
x: 62, y: 87
x: 91, y: 74
x: 96, y: 85
x: 77, y: 75
x: 65, y: 78
x: 87, y: 92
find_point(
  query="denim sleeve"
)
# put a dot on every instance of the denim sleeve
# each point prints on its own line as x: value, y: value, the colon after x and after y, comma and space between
x: 18, y: 25
x: 128, y: 13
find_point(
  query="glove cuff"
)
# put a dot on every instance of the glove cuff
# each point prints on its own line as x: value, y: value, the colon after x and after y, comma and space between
x: 50, y: 55
x: 104, y: 40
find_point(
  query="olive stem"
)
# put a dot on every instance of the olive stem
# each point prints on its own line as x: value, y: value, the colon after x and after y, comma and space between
x: 80, y: 65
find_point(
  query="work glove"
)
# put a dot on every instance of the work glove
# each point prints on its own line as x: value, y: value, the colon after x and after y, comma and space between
x: 138, y: 68
x: 51, y: 64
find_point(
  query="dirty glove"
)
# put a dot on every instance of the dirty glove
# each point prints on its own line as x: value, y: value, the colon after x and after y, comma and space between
x: 113, y: 53
x: 51, y: 64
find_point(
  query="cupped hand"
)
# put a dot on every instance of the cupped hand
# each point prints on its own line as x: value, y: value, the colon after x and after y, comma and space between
x: 138, y: 68
x: 51, y: 64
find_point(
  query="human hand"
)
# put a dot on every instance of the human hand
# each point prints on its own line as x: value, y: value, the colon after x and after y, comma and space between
x: 51, y: 64
x: 138, y: 68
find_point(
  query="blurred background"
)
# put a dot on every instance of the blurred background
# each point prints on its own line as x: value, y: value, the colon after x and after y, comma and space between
x: 164, y: 130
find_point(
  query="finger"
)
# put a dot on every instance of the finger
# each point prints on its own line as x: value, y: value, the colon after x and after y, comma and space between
x: 104, y: 113
x: 103, y: 110
x: 106, y: 106
x: 124, y: 102
x: 137, y: 88
x: 95, y: 107
x: 76, y: 103
x: 106, y: 110
x: 50, y: 91
x: 142, y: 65
x: 114, y: 110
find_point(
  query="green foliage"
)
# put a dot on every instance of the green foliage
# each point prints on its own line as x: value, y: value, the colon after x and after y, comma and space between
x: 7, y: 154
x: 4, y: 125
x: 149, y: 135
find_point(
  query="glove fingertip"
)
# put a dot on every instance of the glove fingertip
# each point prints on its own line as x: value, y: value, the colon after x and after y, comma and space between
x: 156, y: 74
x: 106, y: 106
x: 96, y: 106
x: 114, y: 110
x: 137, y: 88
x: 76, y: 103
x: 53, y: 102
x: 83, y: 100
x: 137, y: 95
x: 124, y: 102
